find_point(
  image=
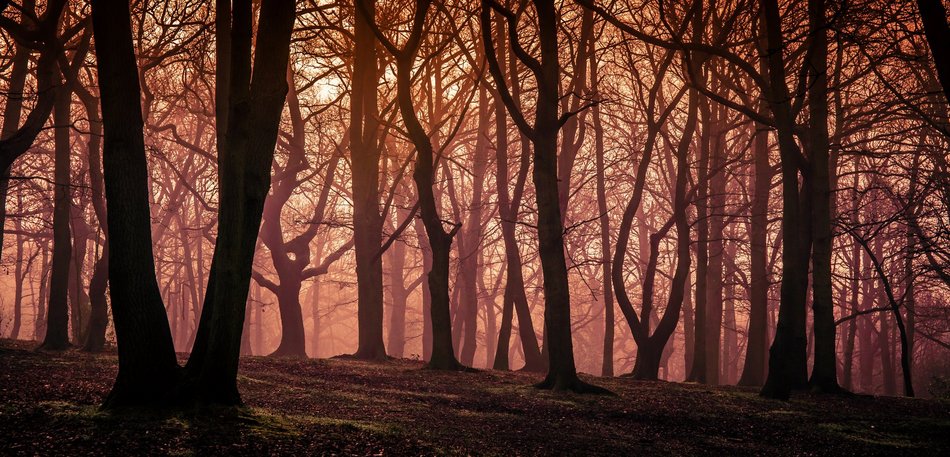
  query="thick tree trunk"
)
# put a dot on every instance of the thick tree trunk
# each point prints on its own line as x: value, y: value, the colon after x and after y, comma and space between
x: 367, y: 219
x: 255, y: 106
x: 787, y: 356
x: 147, y: 366
x: 934, y: 17
x: 562, y: 374
x: 824, y: 376
x: 292, y: 337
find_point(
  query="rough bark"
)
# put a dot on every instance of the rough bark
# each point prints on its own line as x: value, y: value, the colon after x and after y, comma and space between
x: 824, y: 376
x: 147, y: 366
x: 365, y: 162
x: 934, y: 17
x: 255, y: 103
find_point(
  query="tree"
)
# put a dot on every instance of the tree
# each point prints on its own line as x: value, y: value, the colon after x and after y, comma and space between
x: 255, y: 102
x: 16, y: 139
x: 148, y: 369
x: 562, y: 374
x: 365, y: 155
x: 509, y: 203
x: 57, y: 328
x: 934, y: 16
x: 440, y: 240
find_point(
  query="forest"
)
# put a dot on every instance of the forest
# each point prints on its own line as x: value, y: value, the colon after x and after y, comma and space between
x: 475, y: 227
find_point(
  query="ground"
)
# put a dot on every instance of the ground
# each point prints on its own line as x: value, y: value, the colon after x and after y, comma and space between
x: 49, y: 406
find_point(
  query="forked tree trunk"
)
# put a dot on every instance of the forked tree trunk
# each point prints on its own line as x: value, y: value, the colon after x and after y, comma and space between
x: 244, y: 168
x: 440, y: 241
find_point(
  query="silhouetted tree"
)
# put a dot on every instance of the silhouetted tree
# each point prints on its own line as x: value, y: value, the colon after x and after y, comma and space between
x: 562, y: 374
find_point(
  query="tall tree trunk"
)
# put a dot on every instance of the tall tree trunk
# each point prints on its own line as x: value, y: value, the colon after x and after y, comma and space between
x: 607, y: 362
x: 699, y: 370
x: 934, y: 17
x: 562, y: 374
x: 469, y: 250
x: 515, y: 299
x: 440, y: 241
x: 754, y: 370
x: 650, y: 348
x: 99, y: 306
x: 147, y: 365
x: 365, y: 160
x: 787, y: 355
x: 716, y: 248
x: 57, y: 327
x: 824, y: 376
x: 244, y: 168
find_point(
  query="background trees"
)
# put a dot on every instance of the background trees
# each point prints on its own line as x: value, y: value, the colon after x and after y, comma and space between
x: 732, y: 179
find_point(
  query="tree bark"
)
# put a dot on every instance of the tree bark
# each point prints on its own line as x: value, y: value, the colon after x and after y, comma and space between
x: 756, y: 360
x: 934, y: 17
x: 244, y: 170
x: 365, y: 157
x: 57, y: 327
x: 148, y: 369
x: 515, y: 299
x: 824, y: 376
x: 787, y: 355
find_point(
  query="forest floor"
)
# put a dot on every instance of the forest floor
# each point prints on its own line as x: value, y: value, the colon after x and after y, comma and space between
x: 49, y: 406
